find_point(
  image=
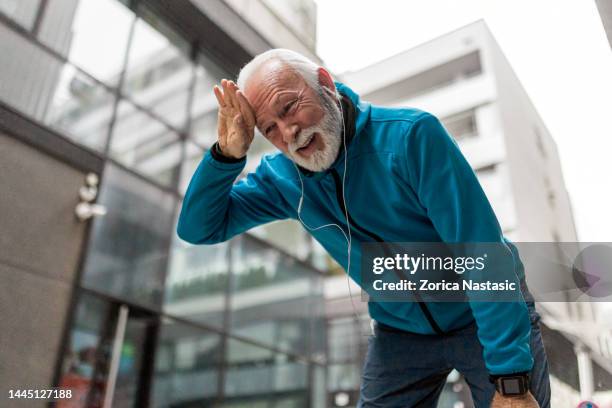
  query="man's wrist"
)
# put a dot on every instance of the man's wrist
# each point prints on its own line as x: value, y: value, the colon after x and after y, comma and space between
x: 218, y: 155
x: 513, y: 384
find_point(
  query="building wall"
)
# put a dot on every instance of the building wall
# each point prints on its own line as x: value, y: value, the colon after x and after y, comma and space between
x: 465, y: 70
x: 40, y: 249
x: 283, y: 24
x: 541, y: 200
x: 605, y: 11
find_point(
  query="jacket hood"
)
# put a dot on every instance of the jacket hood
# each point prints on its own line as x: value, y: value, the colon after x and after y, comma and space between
x: 362, y: 109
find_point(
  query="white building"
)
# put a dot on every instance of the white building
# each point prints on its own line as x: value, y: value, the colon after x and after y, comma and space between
x: 463, y: 78
x: 605, y: 11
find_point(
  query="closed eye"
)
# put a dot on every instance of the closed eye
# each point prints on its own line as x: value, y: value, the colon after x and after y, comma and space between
x: 288, y: 107
x: 269, y: 129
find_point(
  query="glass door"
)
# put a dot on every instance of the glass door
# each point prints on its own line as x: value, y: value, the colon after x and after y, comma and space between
x: 108, y: 361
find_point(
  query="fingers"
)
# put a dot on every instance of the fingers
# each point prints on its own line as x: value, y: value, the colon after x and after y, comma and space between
x: 245, y: 108
x: 232, y: 97
x: 229, y: 93
x: 226, y: 96
x: 221, y: 129
x: 236, y: 118
x: 219, y: 96
x: 223, y: 96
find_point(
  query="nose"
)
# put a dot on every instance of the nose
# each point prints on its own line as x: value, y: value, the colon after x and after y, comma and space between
x: 289, y: 132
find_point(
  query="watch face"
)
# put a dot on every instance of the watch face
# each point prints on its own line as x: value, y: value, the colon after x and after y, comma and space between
x: 511, y: 386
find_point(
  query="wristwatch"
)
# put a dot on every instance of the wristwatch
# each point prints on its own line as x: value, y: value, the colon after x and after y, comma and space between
x: 511, y: 384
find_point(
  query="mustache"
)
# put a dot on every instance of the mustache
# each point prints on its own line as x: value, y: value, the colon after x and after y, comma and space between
x: 325, y: 128
x: 304, y: 137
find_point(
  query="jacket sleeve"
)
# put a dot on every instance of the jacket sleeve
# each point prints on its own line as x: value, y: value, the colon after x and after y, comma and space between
x: 461, y: 213
x: 215, y: 209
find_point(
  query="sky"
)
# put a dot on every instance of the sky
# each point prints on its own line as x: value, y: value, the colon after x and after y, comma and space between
x: 557, y: 48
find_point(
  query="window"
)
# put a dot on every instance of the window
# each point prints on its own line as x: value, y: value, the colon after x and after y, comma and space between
x: 461, y: 125
x: 93, y: 34
x: 159, y: 73
x: 458, y: 69
x: 487, y: 170
x: 197, y: 280
x: 128, y: 247
x: 275, y: 373
x: 53, y: 92
x: 274, y: 298
x: 186, y: 366
x: 193, y: 157
x: 21, y: 11
x: 204, y: 106
x: 145, y: 144
x: 539, y: 142
x: 81, y: 108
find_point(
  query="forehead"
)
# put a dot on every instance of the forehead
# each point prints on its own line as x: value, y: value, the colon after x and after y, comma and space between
x: 270, y: 82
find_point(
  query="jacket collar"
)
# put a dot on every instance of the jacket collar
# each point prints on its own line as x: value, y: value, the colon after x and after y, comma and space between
x: 362, y: 109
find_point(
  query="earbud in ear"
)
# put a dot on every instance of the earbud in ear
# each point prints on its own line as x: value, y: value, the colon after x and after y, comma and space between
x: 329, y: 91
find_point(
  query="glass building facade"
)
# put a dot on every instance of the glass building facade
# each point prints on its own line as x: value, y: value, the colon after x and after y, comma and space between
x: 156, y: 321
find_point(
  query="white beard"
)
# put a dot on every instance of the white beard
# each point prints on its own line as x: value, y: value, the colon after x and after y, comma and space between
x: 330, y: 130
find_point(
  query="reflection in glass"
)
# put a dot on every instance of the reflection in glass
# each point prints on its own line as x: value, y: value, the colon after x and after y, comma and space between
x: 318, y: 390
x: 204, y: 106
x: 131, y: 360
x: 193, y: 157
x: 275, y: 299
x: 85, y: 363
x: 186, y: 366
x: 146, y: 145
x: 343, y: 377
x: 33, y: 74
x: 21, y: 11
x: 299, y: 15
x: 344, y: 340
x: 127, y: 252
x: 197, y: 281
x: 52, y: 92
x: 288, y: 235
x: 159, y: 73
x: 347, y: 344
x: 81, y: 109
x: 204, y: 128
x: 81, y: 30
x: 280, y: 381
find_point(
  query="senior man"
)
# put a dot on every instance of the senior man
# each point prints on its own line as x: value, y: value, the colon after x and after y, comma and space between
x: 387, y: 174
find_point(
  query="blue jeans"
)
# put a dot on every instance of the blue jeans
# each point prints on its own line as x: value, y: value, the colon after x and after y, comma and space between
x: 409, y: 370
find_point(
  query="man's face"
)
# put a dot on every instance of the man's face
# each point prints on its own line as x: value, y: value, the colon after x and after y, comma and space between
x: 304, y: 123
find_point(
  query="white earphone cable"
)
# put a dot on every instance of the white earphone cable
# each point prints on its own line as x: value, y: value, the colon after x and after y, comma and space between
x: 348, y: 238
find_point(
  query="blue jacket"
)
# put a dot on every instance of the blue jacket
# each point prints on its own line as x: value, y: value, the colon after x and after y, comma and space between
x: 407, y: 181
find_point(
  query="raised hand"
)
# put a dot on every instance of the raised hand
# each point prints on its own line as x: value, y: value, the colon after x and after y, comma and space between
x: 235, y: 122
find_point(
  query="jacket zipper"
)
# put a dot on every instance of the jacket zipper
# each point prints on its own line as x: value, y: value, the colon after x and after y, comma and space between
x: 432, y: 322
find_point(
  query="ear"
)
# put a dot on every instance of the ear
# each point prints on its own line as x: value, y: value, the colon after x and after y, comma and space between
x: 325, y: 79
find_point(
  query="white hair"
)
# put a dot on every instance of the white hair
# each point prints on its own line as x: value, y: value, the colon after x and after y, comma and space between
x: 302, y: 65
